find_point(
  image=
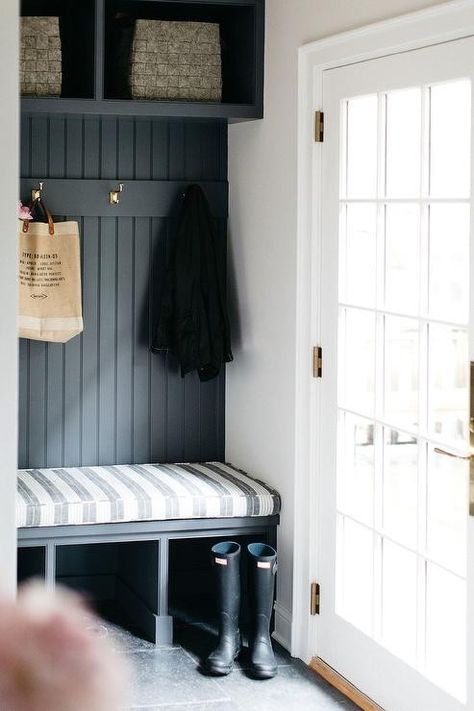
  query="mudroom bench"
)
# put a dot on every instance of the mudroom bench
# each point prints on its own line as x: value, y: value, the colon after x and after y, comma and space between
x: 108, y: 529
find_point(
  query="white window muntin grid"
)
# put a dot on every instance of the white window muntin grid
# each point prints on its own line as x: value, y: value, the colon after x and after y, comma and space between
x: 425, y: 439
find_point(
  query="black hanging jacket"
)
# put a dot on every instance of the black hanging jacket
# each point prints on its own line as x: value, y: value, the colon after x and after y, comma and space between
x: 192, y: 319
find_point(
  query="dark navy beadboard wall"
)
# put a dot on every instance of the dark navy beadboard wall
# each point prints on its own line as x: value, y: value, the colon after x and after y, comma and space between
x: 103, y: 397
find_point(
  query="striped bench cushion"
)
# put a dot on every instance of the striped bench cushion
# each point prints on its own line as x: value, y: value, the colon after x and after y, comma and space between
x: 146, y: 492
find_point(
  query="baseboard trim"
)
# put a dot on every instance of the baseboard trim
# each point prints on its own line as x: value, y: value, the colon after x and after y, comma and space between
x: 344, y: 686
x: 282, y: 631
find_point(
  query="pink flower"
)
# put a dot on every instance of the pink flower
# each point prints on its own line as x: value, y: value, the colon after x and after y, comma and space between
x: 50, y: 657
x: 23, y: 211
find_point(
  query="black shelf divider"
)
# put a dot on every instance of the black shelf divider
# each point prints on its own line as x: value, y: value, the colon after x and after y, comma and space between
x: 99, y: 49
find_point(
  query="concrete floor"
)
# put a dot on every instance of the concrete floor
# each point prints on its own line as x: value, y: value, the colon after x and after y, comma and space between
x: 170, y: 678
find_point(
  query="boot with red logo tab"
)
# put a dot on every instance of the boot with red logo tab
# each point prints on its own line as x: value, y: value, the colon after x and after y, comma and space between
x: 226, y: 564
x: 262, y: 567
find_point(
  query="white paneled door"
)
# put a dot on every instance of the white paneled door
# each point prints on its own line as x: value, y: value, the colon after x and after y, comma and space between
x: 397, y: 339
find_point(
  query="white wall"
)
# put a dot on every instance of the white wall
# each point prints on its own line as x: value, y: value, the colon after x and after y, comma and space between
x: 8, y: 290
x: 262, y: 270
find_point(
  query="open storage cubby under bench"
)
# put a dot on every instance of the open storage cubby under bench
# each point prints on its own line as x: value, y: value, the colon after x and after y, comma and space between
x: 127, y: 563
x: 91, y: 40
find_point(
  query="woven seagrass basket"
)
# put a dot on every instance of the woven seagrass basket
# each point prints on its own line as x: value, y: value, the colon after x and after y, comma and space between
x: 176, y: 61
x: 40, y: 56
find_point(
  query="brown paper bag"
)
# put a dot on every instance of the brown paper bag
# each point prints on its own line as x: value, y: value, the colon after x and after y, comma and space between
x: 50, y: 307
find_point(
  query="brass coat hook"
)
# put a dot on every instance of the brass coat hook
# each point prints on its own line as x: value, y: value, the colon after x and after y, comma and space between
x: 114, y: 195
x: 36, y: 192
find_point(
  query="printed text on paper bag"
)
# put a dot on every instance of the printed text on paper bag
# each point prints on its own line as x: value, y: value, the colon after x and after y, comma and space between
x: 40, y: 270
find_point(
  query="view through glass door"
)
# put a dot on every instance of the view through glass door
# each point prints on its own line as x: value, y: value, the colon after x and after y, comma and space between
x: 395, y: 332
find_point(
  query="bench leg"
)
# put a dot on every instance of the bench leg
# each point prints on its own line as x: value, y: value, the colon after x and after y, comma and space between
x: 163, y: 621
x: 50, y: 565
x: 272, y: 537
x: 163, y: 631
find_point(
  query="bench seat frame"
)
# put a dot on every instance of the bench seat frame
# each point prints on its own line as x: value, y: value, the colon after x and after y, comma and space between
x: 156, y: 624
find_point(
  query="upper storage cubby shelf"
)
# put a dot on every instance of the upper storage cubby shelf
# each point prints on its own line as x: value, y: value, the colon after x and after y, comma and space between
x: 96, y: 38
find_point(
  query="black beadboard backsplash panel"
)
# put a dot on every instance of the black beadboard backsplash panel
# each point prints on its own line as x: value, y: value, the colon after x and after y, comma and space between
x: 103, y: 398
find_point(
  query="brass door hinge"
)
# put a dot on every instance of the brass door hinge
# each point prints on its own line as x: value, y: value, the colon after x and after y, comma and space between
x: 319, y: 126
x: 317, y: 362
x: 315, y: 598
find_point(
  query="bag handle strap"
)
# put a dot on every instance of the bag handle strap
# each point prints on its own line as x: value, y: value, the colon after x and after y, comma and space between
x: 38, y: 203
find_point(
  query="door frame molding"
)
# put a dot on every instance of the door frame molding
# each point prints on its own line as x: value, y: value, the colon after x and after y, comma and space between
x: 440, y: 23
x: 9, y: 131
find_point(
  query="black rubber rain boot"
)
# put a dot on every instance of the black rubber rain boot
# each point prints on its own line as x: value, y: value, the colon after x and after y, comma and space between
x: 262, y: 566
x: 226, y: 564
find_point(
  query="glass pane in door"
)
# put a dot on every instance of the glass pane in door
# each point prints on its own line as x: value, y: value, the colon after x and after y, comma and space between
x: 361, y: 126
x: 448, y: 393
x: 356, y: 483
x: 359, y: 225
x: 399, y: 600
x: 401, y: 347
x: 446, y: 531
x: 403, y: 157
x: 400, y: 487
x: 403, y: 375
x: 356, y: 556
x: 402, y: 258
x: 446, y: 629
x: 449, y: 104
x: 449, y: 261
x: 358, y: 360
